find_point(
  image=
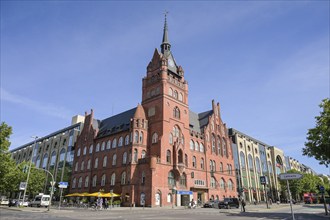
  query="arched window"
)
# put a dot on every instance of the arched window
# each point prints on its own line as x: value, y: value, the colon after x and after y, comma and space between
x: 168, y: 156
x: 94, y: 181
x: 136, y: 137
x: 105, y: 159
x: 96, y: 162
x: 38, y: 162
x: 114, y: 143
x: 201, y: 147
x: 154, y: 138
x: 192, y: 145
x: 170, y: 178
x: 86, y: 181
x: 143, y: 177
x: 176, y: 113
x: 74, y: 183
x: 270, y: 167
x: 79, y: 182
x: 103, y: 146
x: 170, y: 92
x: 108, y: 144
x: 202, y: 163
x: 78, y: 152
x: 62, y: 155
x: 91, y: 149
x: 213, y: 182
x: 258, y: 165
x: 143, y: 154
x: 82, y: 166
x: 196, y: 146
x: 224, y: 148
x: 113, y: 179
x: 103, y: 180
x: 242, y: 158
x: 213, y: 143
x: 180, y: 97
x: 114, y: 160
x: 250, y: 162
x: 76, y: 166
x: 127, y: 140
x: 97, y: 149
x: 183, y: 180
x: 175, y: 94
x: 123, y: 178
x: 219, y: 146
x: 124, y: 157
x: 194, y: 161
x: 171, y: 138
x: 53, y: 159
x: 89, y: 164
x: 85, y: 150
x: 120, y: 141
x: 222, y: 183
x: 141, y: 137
x: 230, y: 185
x: 45, y: 161
x: 176, y: 131
x: 135, y: 155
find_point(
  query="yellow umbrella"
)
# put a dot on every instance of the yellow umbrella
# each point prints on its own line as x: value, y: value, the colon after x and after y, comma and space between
x: 102, y: 194
x: 73, y: 194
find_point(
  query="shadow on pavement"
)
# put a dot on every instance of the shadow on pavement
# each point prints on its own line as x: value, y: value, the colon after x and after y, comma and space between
x: 279, y: 215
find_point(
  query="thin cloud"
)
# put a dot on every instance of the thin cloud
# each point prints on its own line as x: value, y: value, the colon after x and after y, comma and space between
x: 43, y: 108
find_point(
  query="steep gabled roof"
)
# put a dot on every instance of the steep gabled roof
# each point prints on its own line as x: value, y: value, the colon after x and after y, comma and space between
x: 198, y: 121
x: 116, y: 123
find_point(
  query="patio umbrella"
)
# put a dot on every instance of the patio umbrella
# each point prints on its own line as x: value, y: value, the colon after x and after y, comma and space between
x: 102, y: 194
x: 73, y: 194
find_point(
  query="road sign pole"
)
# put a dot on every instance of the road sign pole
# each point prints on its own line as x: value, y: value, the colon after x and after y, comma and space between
x: 266, y: 195
x: 59, y: 204
x: 287, y: 183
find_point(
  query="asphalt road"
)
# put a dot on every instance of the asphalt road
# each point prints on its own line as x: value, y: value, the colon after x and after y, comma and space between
x: 259, y: 212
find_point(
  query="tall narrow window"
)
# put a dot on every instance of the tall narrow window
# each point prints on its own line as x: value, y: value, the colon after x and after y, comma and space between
x: 136, y: 137
x: 135, y: 156
x: 124, y: 157
x: 74, y: 183
x: 170, y: 177
x: 168, y: 156
x: 114, y: 143
x: 91, y: 149
x: 201, y: 147
x: 176, y: 113
x: 183, y: 180
x: 192, y: 145
x: 82, y: 165
x: 96, y: 162
x: 97, y: 149
x: 113, y: 179
x: 85, y: 150
x: 127, y: 140
x: 123, y: 178
x: 103, y: 146
x: 213, y: 143
x: 114, y: 160
x: 154, y: 138
x: 141, y: 137
x: 105, y: 159
x: 94, y: 181
x: 202, y: 163
x: 224, y: 146
x: 143, y: 177
x: 103, y: 180
x: 79, y: 182
x: 89, y: 164
x: 86, y: 181
x: 194, y: 161
x: 108, y: 144
x: 120, y: 142
x: 143, y: 154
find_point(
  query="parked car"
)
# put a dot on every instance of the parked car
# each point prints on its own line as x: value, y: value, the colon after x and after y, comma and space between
x: 12, y: 202
x: 228, y: 203
x: 25, y: 203
x: 4, y: 202
x: 208, y: 204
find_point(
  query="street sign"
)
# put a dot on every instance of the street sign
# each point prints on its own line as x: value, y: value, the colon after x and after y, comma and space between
x: 263, y: 180
x: 322, y: 189
x: 63, y: 184
x: 22, y: 186
x: 290, y: 176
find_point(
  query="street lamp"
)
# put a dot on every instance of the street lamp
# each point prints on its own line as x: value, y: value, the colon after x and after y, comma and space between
x: 173, y: 195
x: 28, y: 175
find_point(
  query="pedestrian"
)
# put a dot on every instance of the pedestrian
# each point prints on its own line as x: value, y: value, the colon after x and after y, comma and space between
x: 243, y: 204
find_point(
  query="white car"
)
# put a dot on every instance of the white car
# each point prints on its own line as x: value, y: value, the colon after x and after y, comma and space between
x: 26, y: 203
x: 4, y: 202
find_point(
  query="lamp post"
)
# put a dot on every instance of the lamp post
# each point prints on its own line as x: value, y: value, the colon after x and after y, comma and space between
x: 28, y: 174
x: 173, y: 195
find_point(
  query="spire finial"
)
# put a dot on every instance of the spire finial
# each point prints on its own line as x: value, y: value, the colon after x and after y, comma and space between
x: 165, y: 46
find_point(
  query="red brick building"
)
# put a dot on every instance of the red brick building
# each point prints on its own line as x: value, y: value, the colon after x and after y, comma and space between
x: 159, y: 153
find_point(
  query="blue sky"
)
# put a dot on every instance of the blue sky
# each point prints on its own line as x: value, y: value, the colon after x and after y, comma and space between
x: 266, y: 62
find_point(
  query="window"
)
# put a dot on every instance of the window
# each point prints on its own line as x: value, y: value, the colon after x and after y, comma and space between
x: 213, y: 143
x: 175, y: 94
x: 62, y: 154
x: 170, y: 91
x: 183, y: 180
x: 86, y: 181
x: 103, y: 146
x: 45, y: 161
x: 113, y: 179
x: 230, y: 185
x: 154, y: 138
x: 89, y: 164
x: 103, y: 180
x: 258, y: 165
x: 127, y: 140
x: 74, y: 183
x: 202, y: 163
x: 136, y: 137
x: 180, y: 97
x: 169, y: 198
x: 91, y: 149
x: 96, y: 162
x: 79, y: 182
x: 213, y: 185
x: 97, y: 149
x: 78, y: 152
x: 222, y: 184
x: 76, y: 166
x: 224, y: 148
x: 114, y: 160
x: 123, y: 178
x: 82, y: 166
x: 176, y: 113
x: 94, y: 181
x: 38, y: 162
x: 170, y: 178
x: 105, y: 159
x: 201, y: 147
x: 192, y: 145
x: 250, y: 162
x: 141, y: 137
x: 143, y: 154
x: 194, y: 161
x: 168, y: 156
x: 108, y: 144
x: 124, y: 157
x: 171, y: 138
x: 219, y: 146
x: 53, y: 159
x: 85, y: 150
x: 196, y: 146
x: 135, y: 156
x: 242, y: 157
x: 120, y: 142
x: 114, y: 143
x: 143, y: 177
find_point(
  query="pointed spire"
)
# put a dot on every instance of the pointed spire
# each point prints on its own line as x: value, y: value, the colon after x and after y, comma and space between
x: 165, y: 46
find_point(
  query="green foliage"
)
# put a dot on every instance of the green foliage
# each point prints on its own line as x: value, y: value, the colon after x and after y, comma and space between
x: 318, y: 138
x: 6, y: 162
x: 296, y: 186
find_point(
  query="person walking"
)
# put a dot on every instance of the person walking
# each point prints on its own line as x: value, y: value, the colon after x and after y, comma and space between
x: 243, y: 204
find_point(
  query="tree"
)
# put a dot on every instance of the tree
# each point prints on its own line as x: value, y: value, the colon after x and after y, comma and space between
x: 318, y: 138
x: 296, y: 186
x: 6, y: 162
